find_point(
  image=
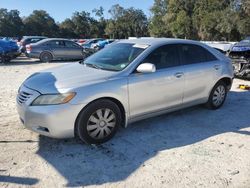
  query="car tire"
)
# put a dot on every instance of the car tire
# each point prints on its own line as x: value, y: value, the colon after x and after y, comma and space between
x: 5, y: 60
x: 217, y: 96
x: 46, y: 57
x: 98, y: 122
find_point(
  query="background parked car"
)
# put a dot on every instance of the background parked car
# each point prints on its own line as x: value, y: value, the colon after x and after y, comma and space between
x: 101, y: 44
x: 29, y: 40
x: 90, y: 42
x: 81, y: 41
x: 8, y: 50
x: 55, y: 49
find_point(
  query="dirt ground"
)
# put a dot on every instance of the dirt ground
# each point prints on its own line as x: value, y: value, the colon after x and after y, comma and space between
x: 195, y: 147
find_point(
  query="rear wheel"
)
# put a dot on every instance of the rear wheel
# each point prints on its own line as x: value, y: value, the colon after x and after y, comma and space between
x: 217, y: 96
x: 46, y: 57
x: 98, y: 122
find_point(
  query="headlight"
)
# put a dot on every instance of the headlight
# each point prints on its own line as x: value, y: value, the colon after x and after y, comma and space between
x: 53, y: 99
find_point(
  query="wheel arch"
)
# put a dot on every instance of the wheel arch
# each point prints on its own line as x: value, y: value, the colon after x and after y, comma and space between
x: 46, y: 51
x: 228, y: 81
x: 116, y: 101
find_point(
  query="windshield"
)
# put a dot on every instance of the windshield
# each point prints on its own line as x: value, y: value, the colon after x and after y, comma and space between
x: 116, y: 56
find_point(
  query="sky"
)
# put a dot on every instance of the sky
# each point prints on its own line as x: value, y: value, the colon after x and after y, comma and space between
x: 61, y: 9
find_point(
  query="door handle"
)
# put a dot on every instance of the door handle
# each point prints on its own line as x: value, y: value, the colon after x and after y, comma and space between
x: 217, y: 67
x: 179, y: 74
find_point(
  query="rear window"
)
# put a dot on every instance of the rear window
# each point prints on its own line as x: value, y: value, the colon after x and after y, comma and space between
x: 192, y: 54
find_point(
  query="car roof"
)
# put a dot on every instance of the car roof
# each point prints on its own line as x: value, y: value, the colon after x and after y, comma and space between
x: 27, y: 37
x: 158, y: 41
x: 50, y: 39
x: 162, y: 41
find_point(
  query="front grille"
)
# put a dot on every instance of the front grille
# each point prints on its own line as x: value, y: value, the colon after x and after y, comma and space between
x: 22, y: 97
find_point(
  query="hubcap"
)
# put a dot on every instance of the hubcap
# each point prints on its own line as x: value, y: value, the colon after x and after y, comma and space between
x: 219, y: 95
x: 46, y: 57
x: 101, y: 123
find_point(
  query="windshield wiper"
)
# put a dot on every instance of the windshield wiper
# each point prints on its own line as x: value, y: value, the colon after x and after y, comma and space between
x: 96, y: 66
x: 92, y: 65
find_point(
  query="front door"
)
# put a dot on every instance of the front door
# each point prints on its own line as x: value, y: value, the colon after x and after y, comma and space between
x: 151, y: 92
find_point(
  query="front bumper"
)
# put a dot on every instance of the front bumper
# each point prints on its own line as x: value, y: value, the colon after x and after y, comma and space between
x: 55, y: 121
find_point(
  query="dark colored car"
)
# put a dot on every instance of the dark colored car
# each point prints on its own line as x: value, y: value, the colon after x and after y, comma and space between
x: 29, y: 40
x: 240, y: 55
x: 8, y: 50
x: 55, y: 49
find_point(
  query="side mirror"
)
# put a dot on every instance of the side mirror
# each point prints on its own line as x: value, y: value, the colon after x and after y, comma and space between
x: 146, y: 68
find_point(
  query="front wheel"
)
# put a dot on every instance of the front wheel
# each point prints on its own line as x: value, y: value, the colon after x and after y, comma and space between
x: 98, y: 122
x: 217, y: 96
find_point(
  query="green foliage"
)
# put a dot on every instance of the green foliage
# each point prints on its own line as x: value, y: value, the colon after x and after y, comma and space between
x: 157, y: 26
x: 66, y: 29
x: 40, y: 23
x: 10, y: 23
x: 191, y: 19
x: 126, y: 22
x: 202, y: 20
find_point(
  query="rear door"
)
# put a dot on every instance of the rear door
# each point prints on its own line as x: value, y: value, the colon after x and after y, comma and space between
x: 200, y: 67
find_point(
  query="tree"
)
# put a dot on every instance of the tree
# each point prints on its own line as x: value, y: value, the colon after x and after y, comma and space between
x: 244, y: 18
x: 66, y: 29
x: 82, y: 21
x: 41, y: 23
x: 10, y: 23
x: 178, y: 18
x: 99, y: 25
x: 210, y: 19
x: 126, y: 23
x: 157, y: 26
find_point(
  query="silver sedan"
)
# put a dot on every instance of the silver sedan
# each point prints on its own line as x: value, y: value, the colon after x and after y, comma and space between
x: 128, y: 81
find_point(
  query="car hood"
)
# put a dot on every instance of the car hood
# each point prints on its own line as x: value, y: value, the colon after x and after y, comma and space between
x: 66, y: 77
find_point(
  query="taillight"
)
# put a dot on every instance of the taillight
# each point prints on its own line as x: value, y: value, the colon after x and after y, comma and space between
x: 28, y: 48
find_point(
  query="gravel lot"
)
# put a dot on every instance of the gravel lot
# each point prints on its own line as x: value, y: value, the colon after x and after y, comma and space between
x: 194, y: 147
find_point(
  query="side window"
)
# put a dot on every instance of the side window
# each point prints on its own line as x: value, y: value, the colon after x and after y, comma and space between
x: 71, y: 44
x: 56, y: 43
x: 164, y: 57
x: 34, y: 40
x: 192, y: 54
